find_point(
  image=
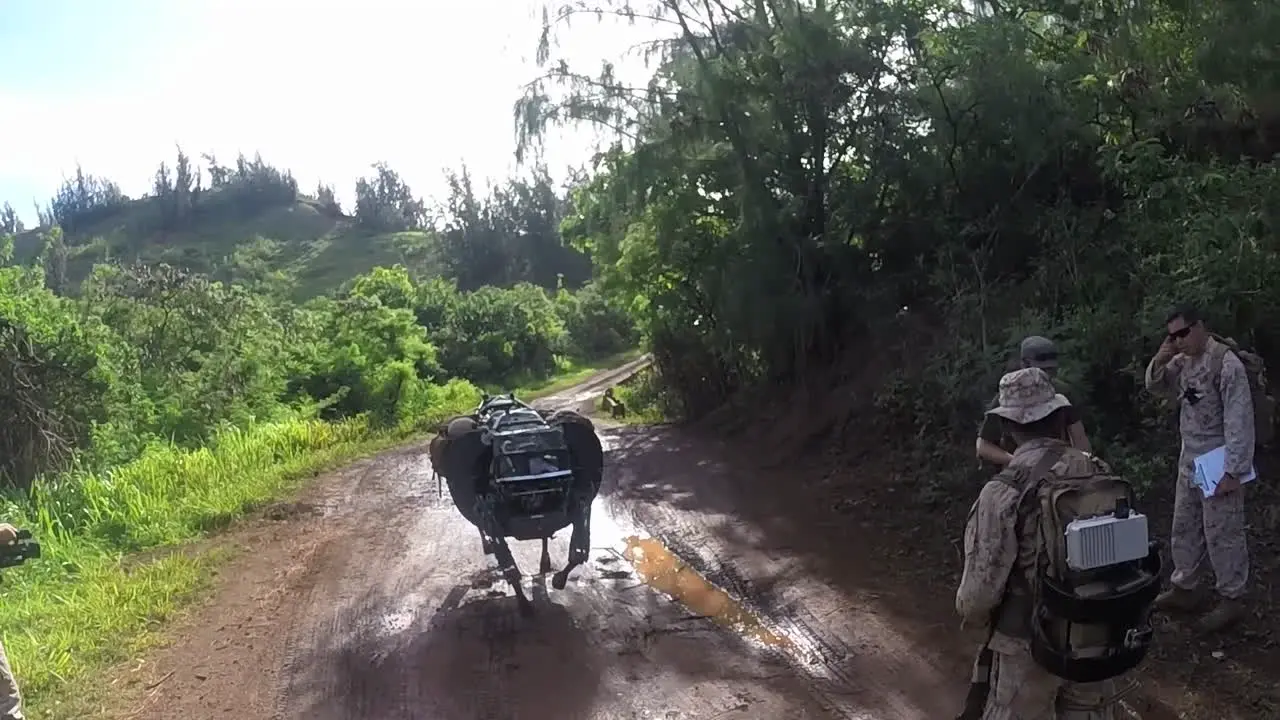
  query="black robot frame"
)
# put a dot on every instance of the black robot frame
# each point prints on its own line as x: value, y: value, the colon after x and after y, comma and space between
x: 516, y: 473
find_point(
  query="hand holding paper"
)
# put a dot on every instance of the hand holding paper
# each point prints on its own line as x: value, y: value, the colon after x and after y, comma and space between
x: 1210, y: 469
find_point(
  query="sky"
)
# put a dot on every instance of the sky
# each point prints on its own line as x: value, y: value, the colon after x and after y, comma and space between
x: 324, y: 88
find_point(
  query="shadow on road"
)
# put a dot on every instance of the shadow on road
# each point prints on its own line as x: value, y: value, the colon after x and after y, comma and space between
x: 478, y: 660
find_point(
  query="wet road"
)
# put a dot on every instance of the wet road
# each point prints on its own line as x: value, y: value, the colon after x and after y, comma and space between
x: 386, y: 608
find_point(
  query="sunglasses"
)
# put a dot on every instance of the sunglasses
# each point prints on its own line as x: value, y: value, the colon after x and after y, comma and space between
x: 1178, y: 334
x: 1043, y: 357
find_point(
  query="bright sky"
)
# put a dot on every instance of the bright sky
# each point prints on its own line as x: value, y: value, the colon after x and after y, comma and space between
x: 324, y: 88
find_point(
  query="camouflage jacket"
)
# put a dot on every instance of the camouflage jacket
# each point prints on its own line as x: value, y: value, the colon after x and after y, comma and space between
x: 1214, y: 411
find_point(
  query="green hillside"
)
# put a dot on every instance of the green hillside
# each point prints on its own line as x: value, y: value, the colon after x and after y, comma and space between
x: 319, y: 250
x: 250, y: 223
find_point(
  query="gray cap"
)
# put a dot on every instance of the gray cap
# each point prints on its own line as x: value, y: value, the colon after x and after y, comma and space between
x: 1038, y: 351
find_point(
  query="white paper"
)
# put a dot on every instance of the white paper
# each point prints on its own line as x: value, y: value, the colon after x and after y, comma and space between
x: 1211, y: 466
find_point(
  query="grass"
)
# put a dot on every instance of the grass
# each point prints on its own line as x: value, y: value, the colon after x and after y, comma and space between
x: 87, y: 604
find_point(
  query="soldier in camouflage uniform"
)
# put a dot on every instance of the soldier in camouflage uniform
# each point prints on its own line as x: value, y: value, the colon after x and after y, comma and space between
x: 10, y: 698
x: 1215, y: 411
x: 994, y: 445
x: 995, y: 448
x: 1033, y: 413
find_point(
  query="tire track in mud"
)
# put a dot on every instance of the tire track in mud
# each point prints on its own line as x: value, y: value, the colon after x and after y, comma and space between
x: 816, y: 655
x: 335, y: 507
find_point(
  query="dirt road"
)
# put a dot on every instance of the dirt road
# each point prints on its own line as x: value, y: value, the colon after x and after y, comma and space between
x: 370, y: 598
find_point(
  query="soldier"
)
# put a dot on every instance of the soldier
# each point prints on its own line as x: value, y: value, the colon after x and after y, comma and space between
x: 1216, y: 410
x: 994, y: 445
x: 1001, y: 549
x: 10, y: 698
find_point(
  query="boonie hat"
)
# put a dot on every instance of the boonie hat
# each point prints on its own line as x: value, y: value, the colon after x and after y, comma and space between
x: 1027, y: 395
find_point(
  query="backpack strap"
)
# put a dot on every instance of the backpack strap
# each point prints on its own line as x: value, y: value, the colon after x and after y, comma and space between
x: 1013, y: 615
x: 1217, y: 356
x: 1039, y: 473
x: 1023, y: 480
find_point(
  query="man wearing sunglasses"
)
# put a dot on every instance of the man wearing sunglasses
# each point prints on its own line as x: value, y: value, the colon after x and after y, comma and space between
x: 1216, y: 409
x: 994, y: 444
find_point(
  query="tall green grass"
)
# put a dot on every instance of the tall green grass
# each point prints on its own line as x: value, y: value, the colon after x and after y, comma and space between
x: 83, y: 607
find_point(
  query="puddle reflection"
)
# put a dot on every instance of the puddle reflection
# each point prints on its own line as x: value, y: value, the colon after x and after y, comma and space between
x: 666, y: 573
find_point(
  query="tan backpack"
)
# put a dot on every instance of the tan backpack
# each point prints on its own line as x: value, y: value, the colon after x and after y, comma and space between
x: 1086, y: 625
x: 1264, y: 406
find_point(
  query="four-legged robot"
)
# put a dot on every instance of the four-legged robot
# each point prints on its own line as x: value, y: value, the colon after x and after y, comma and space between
x: 514, y: 473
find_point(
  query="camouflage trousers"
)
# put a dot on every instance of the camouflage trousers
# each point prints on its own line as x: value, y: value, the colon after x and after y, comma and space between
x: 10, y: 698
x: 1208, y: 533
x: 1022, y: 690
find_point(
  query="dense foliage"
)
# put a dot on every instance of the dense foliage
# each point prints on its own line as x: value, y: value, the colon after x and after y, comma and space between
x: 136, y: 353
x: 804, y: 182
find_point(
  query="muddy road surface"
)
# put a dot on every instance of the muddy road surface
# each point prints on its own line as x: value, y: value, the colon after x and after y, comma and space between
x: 371, y: 599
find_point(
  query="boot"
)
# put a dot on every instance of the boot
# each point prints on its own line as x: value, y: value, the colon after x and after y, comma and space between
x: 1228, y: 612
x: 1177, y: 599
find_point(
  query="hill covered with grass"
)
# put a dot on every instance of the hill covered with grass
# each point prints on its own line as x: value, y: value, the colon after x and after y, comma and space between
x: 250, y: 223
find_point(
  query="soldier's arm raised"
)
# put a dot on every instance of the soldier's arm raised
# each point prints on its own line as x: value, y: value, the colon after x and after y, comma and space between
x: 1237, y: 416
x: 990, y: 549
x: 1162, y: 373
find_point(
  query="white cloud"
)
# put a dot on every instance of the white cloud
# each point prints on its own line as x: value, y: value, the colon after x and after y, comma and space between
x: 324, y: 89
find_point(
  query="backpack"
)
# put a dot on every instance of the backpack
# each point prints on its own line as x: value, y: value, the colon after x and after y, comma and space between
x: 1095, y: 574
x: 530, y: 472
x: 1264, y: 406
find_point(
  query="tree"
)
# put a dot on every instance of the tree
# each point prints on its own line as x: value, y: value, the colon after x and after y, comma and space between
x: 510, y: 235
x: 84, y: 200
x: 384, y: 203
x: 794, y: 174
x: 328, y: 201
x: 9, y: 220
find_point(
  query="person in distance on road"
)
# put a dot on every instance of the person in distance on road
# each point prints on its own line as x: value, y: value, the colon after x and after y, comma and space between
x: 10, y: 698
x: 1216, y: 410
x: 994, y: 444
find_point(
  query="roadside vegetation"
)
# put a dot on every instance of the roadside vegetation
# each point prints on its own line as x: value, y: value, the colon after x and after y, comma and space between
x: 642, y: 399
x: 851, y: 212
x: 149, y: 403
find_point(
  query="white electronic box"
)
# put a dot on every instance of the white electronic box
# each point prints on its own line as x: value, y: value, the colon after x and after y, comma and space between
x: 1107, y: 540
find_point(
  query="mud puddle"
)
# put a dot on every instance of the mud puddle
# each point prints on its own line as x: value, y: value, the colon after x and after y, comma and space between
x: 661, y: 570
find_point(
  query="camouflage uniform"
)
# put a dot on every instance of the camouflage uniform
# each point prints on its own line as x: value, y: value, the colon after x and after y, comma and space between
x: 1020, y: 688
x: 10, y: 698
x: 1214, y: 412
